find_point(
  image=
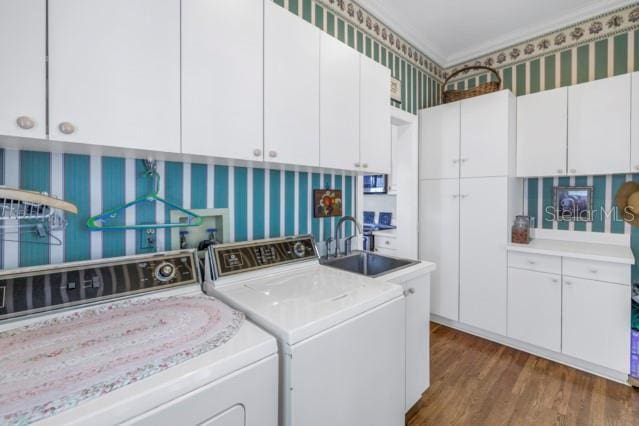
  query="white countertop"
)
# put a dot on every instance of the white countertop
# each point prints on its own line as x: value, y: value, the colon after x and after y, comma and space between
x: 577, y: 250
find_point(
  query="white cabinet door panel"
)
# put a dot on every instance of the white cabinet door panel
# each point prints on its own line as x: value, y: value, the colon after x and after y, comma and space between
x: 114, y: 73
x: 634, y: 123
x: 339, y: 104
x: 417, y: 293
x: 439, y: 142
x: 291, y: 88
x: 23, y: 84
x: 222, y: 78
x: 534, y: 308
x: 482, y: 257
x: 596, y: 318
x: 439, y: 242
x: 599, y: 126
x: 486, y: 134
x: 542, y: 133
x: 375, y: 121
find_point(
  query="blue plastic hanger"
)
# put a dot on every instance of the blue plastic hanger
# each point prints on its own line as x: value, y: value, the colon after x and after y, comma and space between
x: 100, y: 222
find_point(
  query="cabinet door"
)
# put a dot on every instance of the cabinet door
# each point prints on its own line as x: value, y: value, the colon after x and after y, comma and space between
x: 534, y: 308
x: 634, y: 120
x: 291, y: 88
x: 482, y: 257
x: 599, y: 126
x: 375, y: 120
x: 114, y: 73
x: 487, y: 132
x: 596, y: 322
x: 417, y: 293
x: 23, y: 84
x: 542, y: 133
x: 222, y: 78
x: 439, y: 142
x: 439, y: 242
x: 339, y: 105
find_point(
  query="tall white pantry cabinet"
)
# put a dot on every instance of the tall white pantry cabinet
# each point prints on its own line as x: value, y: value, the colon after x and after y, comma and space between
x: 468, y: 200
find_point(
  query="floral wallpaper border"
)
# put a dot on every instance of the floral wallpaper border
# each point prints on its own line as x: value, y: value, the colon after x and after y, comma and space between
x: 366, y: 22
x: 598, y: 27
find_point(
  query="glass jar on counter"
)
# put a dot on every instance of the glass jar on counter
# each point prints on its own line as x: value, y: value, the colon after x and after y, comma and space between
x: 521, y: 230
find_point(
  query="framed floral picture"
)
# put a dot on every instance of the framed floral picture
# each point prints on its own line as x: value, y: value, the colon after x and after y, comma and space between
x: 327, y: 203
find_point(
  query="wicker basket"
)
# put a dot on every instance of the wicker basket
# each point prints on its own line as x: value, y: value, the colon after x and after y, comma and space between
x: 482, y: 89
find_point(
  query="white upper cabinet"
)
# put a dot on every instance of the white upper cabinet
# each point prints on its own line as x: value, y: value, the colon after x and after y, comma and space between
x: 375, y: 121
x: 339, y: 105
x: 439, y: 146
x: 542, y: 133
x: 599, y: 126
x: 634, y: 123
x: 488, y: 135
x: 291, y: 88
x: 23, y: 68
x: 222, y: 78
x: 114, y: 73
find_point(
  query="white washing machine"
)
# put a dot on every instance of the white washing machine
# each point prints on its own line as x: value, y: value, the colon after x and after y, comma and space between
x: 341, y: 335
x: 130, y: 341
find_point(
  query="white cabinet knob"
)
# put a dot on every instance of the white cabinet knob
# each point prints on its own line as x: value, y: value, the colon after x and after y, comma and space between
x: 532, y: 262
x: 554, y: 280
x: 637, y: 167
x: 464, y: 195
x: 358, y: 165
x: 463, y: 160
x: 593, y: 271
x: 272, y: 154
x: 573, y: 170
x: 387, y: 243
x: 455, y: 161
x: 568, y: 282
x: 66, y: 127
x: 409, y: 292
x: 455, y: 195
x: 365, y: 165
x: 560, y: 171
x: 257, y: 152
x: 25, y: 122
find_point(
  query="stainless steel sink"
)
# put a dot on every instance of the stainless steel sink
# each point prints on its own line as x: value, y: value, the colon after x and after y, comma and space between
x: 368, y: 264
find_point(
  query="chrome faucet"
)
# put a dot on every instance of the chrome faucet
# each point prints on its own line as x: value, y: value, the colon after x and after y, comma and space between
x: 338, y: 233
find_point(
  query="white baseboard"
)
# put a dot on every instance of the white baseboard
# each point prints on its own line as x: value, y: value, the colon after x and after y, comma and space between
x: 579, y: 364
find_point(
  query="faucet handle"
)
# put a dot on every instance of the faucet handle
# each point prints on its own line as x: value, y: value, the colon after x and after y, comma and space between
x: 348, y: 244
x: 328, y: 243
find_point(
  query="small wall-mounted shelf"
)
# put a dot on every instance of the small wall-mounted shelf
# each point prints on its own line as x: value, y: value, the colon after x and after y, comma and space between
x: 32, y: 213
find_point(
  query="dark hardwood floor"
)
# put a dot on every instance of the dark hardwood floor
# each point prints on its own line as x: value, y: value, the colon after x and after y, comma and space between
x: 478, y: 382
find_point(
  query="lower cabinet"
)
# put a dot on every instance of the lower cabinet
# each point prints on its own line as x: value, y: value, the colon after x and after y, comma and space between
x: 534, y: 308
x: 583, y: 318
x: 596, y: 322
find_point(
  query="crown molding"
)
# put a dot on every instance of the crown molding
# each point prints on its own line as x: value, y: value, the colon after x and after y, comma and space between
x: 533, y: 31
x: 381, y: 10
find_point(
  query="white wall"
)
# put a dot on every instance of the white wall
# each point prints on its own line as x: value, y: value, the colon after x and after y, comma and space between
x: 381, y: 203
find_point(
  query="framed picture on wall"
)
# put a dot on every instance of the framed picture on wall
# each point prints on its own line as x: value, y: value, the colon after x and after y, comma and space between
x: 327, y: 203
x: 573, y: 203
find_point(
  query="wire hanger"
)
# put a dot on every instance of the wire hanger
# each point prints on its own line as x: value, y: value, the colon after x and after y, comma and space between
x: 101, y: 221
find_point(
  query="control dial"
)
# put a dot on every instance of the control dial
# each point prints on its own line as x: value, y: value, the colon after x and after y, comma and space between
x: 299, y: 249
x: 165, y: 271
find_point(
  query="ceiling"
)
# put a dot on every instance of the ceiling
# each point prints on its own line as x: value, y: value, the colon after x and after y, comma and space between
x: 454, y: 31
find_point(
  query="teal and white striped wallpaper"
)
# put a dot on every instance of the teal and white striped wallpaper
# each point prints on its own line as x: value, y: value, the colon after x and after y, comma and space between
x: 262, y: 203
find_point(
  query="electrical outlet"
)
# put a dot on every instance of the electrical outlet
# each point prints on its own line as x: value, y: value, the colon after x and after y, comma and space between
x: 148, y: 239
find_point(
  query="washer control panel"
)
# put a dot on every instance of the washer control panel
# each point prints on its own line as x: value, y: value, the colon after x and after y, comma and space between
x: 31, y: 290
x: 231, y: 259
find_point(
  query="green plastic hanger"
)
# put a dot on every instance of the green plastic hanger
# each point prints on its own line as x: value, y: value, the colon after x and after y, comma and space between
x: 100, y: 222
